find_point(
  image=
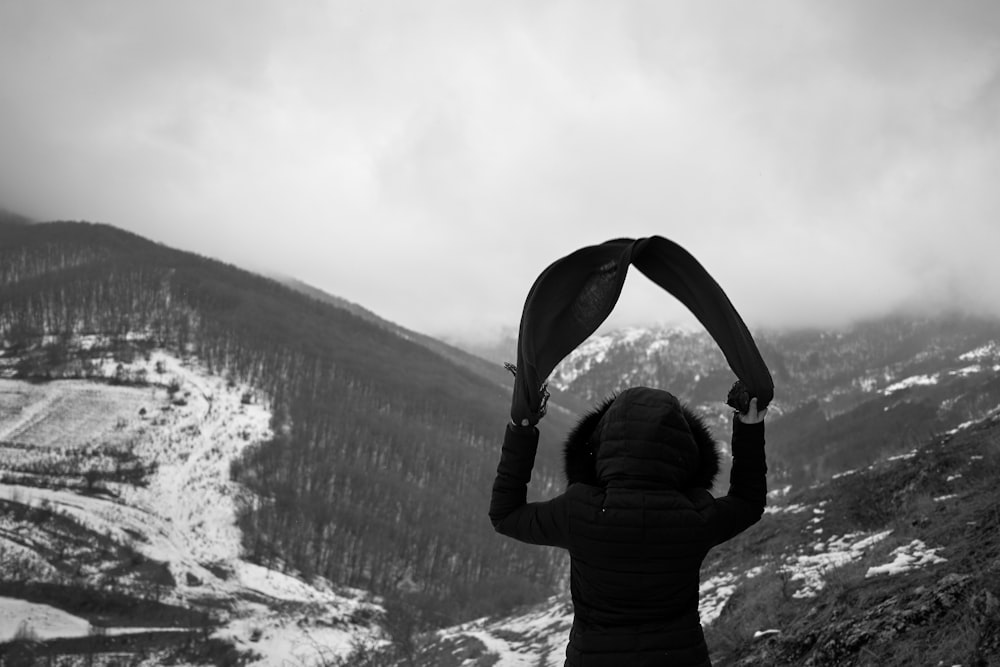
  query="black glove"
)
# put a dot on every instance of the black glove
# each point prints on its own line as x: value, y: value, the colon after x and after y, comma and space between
x: 739, y: 397
x: 534, y: 415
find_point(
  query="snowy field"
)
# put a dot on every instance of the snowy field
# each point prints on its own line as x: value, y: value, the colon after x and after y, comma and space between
x: 42, y: 621
x: 70, y: 413
x: 184, y: 517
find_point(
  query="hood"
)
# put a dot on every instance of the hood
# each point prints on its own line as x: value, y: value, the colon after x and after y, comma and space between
x: 644, y: 437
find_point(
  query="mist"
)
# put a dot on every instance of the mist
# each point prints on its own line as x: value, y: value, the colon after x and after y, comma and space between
x: 825, y: 163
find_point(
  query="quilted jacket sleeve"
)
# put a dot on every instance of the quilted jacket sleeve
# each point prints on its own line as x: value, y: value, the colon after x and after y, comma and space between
x: 535, y: 523
x: 744, y: 505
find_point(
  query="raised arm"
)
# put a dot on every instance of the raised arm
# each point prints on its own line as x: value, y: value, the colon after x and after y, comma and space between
x: 536, y: 523
x: 744, y: 504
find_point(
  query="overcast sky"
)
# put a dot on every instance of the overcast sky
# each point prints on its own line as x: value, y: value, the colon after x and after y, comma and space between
x: 824, y: 160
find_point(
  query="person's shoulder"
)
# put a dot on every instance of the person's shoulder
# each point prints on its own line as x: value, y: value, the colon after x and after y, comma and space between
x: 701, y: 499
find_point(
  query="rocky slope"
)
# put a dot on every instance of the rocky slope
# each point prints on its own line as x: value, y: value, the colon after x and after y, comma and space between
x: 894, y: 564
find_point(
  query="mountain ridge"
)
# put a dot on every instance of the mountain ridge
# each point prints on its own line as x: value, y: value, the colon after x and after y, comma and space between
x: 842, y: 397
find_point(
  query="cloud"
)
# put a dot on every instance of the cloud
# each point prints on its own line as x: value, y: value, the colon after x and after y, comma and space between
x: 429, y: 159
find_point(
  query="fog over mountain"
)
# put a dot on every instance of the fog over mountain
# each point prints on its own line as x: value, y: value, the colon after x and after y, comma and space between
x: 827, y: 163
x: 251, y: 409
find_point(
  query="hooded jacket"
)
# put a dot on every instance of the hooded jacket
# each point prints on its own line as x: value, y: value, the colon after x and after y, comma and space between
x: 637, y: 519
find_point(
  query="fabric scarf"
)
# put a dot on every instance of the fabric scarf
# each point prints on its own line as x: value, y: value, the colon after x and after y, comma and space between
x: 575, y: 294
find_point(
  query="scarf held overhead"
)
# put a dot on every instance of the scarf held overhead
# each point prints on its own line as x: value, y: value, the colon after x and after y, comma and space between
x: 575, y: 294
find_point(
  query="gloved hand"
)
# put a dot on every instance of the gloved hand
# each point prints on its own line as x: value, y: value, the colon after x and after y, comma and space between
x: 534, y: 416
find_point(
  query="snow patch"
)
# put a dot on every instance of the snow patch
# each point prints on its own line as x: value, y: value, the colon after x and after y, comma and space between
x: 795, y: 508
x: 779, y: 492
x: 867, y: 384
x: 633, y: 335
x: 961, y: 427
x: 906, y: 558
x: 912, y: 381
x: 713, y: 594
x: 835, y: 552
x: 989, y: 350
x: 41, y: 620
x: 590, y: 353
x: 766, y: 633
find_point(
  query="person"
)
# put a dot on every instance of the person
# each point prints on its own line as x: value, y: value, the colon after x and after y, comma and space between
x: 637, y: 519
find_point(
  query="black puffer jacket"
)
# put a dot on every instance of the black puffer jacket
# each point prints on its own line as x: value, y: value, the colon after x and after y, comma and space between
x: 637, y: 519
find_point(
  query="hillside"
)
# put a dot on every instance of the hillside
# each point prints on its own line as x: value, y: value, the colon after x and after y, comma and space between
x: 892, y: 565
x: 382, y: 451
x: 486, y: 369
x: 118, y: 526
x: 918, y: 582
x: 484, y: 365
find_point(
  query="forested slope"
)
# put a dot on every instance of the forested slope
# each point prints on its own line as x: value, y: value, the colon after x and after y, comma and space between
x: 379, y: 474
x: 470, y: 361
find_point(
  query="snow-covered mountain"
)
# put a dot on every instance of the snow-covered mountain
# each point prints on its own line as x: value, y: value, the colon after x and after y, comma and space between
x: 684, y: 361
x: 843, y: 398
x: 894, y: 564
x: 121, y: 488
x: 807, y: 365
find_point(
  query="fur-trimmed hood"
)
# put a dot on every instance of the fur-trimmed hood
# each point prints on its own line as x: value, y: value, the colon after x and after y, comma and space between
x: 642, y: 437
